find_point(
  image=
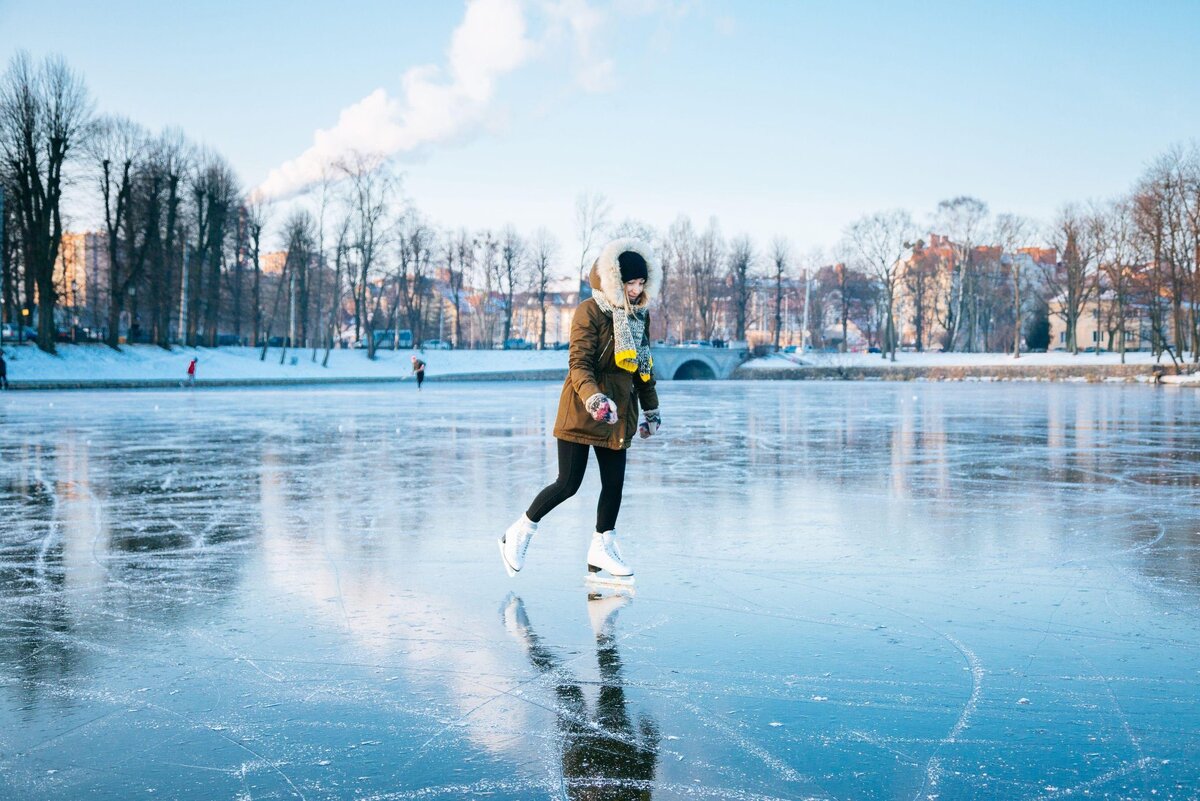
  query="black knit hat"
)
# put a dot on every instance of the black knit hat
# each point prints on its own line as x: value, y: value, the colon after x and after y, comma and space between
x: 633, y: 266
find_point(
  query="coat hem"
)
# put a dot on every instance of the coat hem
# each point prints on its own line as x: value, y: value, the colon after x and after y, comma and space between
x: 578, y: 440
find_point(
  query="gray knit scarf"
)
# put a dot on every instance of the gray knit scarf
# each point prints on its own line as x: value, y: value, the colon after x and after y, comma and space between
x: 629, y: 337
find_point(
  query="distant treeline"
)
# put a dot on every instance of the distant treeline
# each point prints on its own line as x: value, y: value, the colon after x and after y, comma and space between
x: 181, y: 257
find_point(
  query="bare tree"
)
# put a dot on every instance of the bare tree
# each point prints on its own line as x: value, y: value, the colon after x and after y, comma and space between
x: 256, y: 218
x: 1176, y: 176
x: 741, y: 265
x: 300, y: 233
x: 370, y: 187
x: 780, y: 256
x: 325, y: 189
x: 842, y: 280
x: 544, y: 252
x: 879, y: 242
x: 920, y: 282
x: 677, y: 253
x: 341, y: 249
x: 416, y: 246
x: 215, y: 196
x: 489, y: 265
x: 1012, y: 234
x: 1121, y: 262
x: 45, y: 114
x: 1190, y: 189
x: 962, y: 220
x: 1149, y: 217
x: 591, y: 218
x: 512, y: 269
x: 1074, y: 235
x: 463, y: 246
x: 706, y: 259
x: 117, y: 149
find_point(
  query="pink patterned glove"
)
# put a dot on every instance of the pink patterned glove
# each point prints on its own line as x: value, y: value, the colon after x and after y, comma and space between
x: 602, y: 409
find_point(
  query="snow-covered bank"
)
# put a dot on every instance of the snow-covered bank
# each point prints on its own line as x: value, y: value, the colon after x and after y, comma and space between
x: 1055, y: 366
x: 80, y: 365
x: 1051, y: 359
x: 145, y: 365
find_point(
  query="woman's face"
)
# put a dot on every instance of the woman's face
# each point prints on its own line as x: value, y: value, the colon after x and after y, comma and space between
x: 634, y: 288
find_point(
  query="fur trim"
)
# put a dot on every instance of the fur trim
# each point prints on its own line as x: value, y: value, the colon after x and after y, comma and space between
x: 608, y: 272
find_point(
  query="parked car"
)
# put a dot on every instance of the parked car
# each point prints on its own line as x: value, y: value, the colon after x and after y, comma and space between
x: 516, y: 343
x: 13, y: 332
x: 697, y: 343
x: 75, y: 334
x: 436, y: 344
x: 386, y: 339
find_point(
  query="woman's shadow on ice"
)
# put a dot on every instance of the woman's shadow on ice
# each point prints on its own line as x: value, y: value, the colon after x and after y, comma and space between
x: 603, y: 757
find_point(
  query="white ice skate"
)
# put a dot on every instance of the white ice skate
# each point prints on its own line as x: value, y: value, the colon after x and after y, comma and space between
x: 605, y: 565
x: 602, y: 610
x: 515, y: 542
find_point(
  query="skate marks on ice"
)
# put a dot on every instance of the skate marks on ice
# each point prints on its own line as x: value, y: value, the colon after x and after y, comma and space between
x: 602, y: 745
x: 301, y: 576
x: 976, y: 753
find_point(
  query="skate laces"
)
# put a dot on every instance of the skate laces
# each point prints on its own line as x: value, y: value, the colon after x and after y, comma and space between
x: 523, y: 543
x: 610, y: 548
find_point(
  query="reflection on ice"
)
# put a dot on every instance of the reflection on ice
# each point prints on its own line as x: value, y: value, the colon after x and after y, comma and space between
x: 845, y: 591
x: 605, y: 754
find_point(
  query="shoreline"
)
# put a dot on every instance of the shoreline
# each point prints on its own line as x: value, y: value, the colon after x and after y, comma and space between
x: 1096, y: 373
x: 148, y: 367
x: 1089, y: 374
x: 267, y: 383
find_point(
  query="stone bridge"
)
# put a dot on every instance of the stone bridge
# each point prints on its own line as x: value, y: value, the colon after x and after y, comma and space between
x: 682, y: 364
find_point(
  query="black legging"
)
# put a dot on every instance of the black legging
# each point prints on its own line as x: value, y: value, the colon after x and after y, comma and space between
x: 572, y: 462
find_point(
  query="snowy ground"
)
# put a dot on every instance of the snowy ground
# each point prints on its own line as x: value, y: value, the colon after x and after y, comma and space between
x: 149, y: 363
x: 912, y: 359
x: 76, y: 364
x: 845, y: 591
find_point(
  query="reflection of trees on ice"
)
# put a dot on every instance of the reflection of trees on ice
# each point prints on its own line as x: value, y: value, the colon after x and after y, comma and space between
x: 603, y: 755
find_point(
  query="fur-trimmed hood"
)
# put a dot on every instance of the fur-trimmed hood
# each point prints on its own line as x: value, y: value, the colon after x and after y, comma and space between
x: 606, y: 273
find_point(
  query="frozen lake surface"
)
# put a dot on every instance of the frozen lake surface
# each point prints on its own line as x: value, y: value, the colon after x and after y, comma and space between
x: 845, y: 591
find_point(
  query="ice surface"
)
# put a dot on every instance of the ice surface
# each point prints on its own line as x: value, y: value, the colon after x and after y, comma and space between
x: 844, y: 591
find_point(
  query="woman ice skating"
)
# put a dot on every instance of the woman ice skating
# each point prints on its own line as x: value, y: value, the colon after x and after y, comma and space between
x: 418, y: 368
x: 610, y: 376
x: 191, y: 373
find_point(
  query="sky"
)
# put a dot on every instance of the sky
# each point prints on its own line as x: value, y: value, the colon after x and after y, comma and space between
x: 778, y: 118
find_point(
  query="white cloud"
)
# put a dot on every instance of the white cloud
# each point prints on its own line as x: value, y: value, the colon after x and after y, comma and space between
x: 435, y: 104
x: 441, y: 104
x: 594, y: 71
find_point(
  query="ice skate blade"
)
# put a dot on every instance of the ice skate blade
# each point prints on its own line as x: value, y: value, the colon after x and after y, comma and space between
x: 507, y: 568
x: 617, y: 582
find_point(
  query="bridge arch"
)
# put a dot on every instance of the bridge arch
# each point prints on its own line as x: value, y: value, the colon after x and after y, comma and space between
x: 688, y: 363
x: 694, y: 370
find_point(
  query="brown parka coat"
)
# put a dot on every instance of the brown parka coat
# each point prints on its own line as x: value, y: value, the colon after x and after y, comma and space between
x: 592, y: 366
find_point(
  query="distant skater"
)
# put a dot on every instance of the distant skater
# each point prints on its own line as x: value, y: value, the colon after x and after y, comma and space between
x: 610, y: 375
x: 191, y: 373
x: 418, y: 368
x: 3, y: 372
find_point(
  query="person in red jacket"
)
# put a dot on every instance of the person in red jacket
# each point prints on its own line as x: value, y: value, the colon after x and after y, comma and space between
x: 191, y: 372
